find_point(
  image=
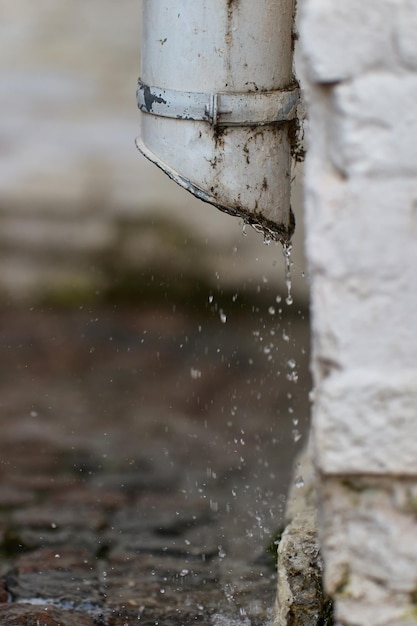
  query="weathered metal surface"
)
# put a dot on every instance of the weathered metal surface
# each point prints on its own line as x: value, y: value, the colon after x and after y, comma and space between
x: 228, y: 60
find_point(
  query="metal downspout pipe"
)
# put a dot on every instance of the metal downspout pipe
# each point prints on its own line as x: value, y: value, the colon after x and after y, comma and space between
x: 218, y: 99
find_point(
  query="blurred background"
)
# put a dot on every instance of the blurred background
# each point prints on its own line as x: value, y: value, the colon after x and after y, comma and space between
x: 145, y: 342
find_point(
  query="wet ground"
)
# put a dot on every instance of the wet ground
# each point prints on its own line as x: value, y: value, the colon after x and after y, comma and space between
x: 145, y: 454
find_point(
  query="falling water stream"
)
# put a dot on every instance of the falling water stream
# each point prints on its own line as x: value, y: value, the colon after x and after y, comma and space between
x: 256, y: 508
x: 287, y: 248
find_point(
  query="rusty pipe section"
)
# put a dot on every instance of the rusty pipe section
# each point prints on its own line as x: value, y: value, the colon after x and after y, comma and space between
x: 218, y: 96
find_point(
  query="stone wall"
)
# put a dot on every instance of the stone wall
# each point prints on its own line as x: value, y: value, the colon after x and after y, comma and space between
x: 75, y: 195
x: 360, y: 67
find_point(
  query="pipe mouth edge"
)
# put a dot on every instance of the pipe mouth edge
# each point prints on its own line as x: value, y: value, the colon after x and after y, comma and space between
x: 269, y: 229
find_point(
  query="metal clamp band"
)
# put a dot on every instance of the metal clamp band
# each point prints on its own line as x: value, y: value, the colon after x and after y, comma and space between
x: 220, y: 109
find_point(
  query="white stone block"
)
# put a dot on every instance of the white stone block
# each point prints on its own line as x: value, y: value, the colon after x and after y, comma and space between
x: 376, y: 335
x: 368, y: 536
x: 362, y: 246
x: 342, y: 39
x: 365, y: 423
x: 360, y: 226
x: 374, y: 125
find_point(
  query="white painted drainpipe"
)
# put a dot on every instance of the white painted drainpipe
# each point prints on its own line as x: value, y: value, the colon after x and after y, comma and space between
x: 218, y: 95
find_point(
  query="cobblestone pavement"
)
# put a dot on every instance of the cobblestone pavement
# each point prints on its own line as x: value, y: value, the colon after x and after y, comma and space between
x: 145, y: 454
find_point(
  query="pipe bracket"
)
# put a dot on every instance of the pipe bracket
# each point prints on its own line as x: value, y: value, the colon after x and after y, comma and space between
x: 257, y: 108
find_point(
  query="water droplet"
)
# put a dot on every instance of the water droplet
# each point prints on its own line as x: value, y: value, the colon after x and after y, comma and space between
x: 291, y: 363
x: 210, y: 299
x: 296, y: 435
x: 223, y: 317
x: 195, y: 373
x: 184, y: 572
x: 271, y: 310
x: 244, y: 233
x: 34, y: 414
x: 299, y: 482
x: 285, y: 336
